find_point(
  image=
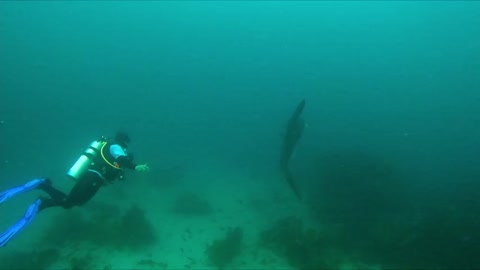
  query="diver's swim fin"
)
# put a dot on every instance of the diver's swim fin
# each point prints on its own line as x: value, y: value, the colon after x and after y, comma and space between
x: 20, y: 189
x: 15, y: 228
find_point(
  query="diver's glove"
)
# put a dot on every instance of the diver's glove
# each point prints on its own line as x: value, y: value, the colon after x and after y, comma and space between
x: 142, y: 168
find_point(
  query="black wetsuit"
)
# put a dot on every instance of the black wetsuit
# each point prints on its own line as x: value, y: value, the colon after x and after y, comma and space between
x: 88, y: 185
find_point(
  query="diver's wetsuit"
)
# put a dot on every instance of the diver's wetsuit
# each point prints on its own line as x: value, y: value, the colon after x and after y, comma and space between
x: 87, y: 186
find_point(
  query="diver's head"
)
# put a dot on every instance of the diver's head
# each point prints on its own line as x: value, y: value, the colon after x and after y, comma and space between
x: 122, y: 139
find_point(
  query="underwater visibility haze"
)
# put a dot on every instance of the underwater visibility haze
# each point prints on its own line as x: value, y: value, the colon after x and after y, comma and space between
x: 387, y: 163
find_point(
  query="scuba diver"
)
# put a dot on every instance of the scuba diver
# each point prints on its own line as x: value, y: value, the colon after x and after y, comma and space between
x: 102, y: 163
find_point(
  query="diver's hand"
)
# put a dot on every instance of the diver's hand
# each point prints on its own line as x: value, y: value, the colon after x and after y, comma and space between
x: 142, y: 168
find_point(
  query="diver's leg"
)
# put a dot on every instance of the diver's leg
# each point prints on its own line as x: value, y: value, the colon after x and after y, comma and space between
x: 17, y: 227
x: 84, y: 190
x: 56, y: 194
x: 57, y: 197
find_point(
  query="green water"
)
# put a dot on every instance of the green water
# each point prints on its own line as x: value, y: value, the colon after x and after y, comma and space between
x: 390, y: 156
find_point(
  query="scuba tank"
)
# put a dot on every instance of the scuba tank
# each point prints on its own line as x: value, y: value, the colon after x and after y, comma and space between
x: 88, y: 158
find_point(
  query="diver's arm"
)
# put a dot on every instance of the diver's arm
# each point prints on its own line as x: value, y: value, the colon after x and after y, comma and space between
x: 126, y: 162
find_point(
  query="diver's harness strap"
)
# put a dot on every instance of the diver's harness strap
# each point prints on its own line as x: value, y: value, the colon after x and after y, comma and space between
x: 105, y: 181
x: 115, y: 165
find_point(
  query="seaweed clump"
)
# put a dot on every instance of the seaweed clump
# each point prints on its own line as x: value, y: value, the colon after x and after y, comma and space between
x: 223, y: 251
x: 134, y: 230
x: 107, y: 226
x: 300, y: 247
x: 191, y: 204
x: 82, y: 262
x: 38, y: 259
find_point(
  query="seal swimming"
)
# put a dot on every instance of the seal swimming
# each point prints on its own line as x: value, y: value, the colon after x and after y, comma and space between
x: 294, y: 131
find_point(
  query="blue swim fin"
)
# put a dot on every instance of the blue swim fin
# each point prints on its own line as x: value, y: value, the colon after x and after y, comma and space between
x: 15, y: 228
x: 20, y: 189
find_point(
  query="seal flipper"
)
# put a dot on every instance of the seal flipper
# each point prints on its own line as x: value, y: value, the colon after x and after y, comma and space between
x: 293, y: 184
